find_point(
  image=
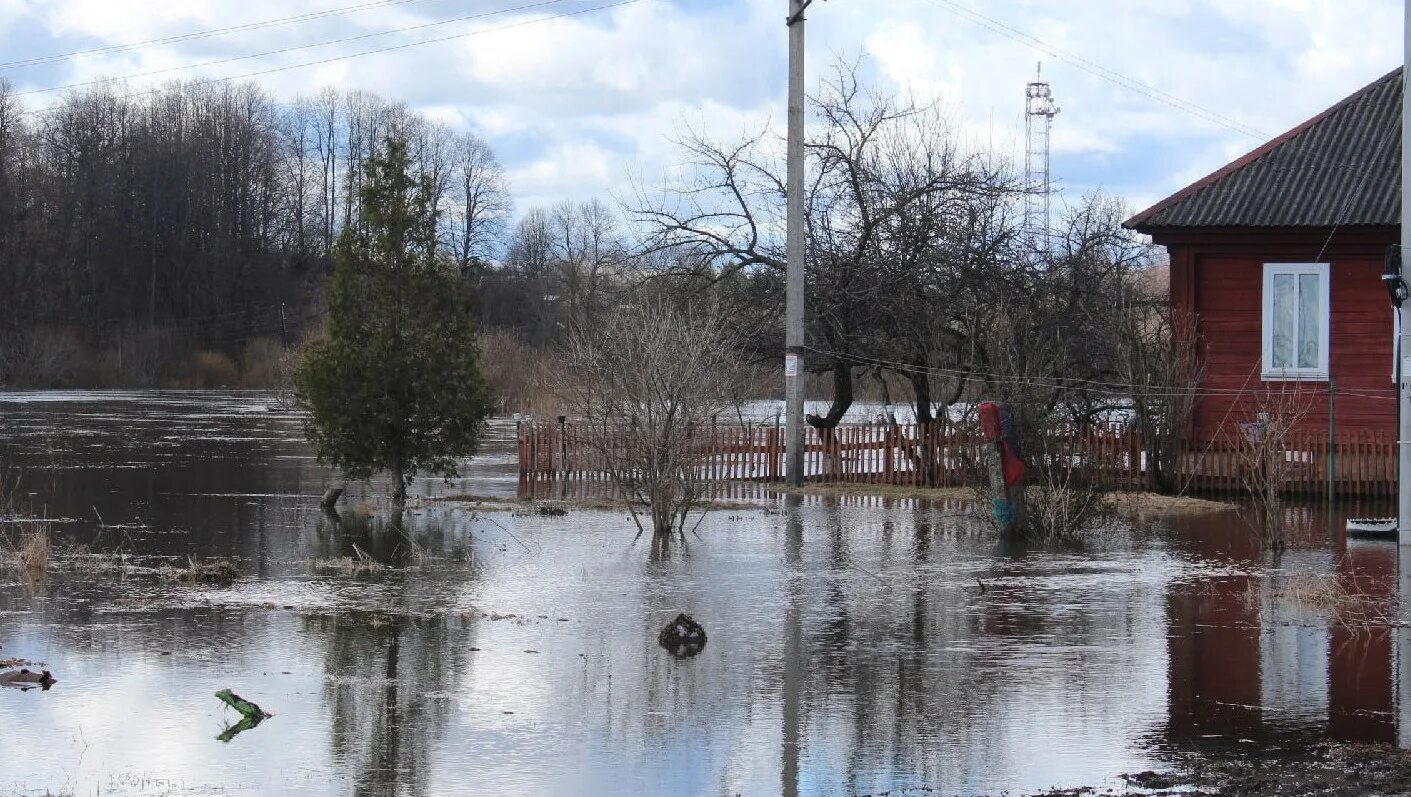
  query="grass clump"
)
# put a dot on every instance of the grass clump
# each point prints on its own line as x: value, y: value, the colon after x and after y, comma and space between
x: 1142, y: 503
x: 34, y: 550
x: 28, y: 551
x: 212, y: 572
x: 360, y: 564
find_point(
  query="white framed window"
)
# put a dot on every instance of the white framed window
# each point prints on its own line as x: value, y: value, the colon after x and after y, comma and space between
x: 1296, y: 321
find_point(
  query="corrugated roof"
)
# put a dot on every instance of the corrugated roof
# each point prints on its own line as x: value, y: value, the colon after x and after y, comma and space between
x: 1340, y: 168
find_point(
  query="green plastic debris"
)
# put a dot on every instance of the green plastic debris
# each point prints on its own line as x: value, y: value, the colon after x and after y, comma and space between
x: 253, y: 715
x: 248, y: 710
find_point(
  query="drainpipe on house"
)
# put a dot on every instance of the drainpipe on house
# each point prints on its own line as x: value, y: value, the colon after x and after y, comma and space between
x: 1403, y: 489
x: 1404, y: 344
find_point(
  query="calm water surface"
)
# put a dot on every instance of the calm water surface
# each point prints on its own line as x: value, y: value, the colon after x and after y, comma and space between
x: 852, y: 649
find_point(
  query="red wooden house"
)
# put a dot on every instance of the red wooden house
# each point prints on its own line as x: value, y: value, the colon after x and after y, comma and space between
x: 1279, y: 257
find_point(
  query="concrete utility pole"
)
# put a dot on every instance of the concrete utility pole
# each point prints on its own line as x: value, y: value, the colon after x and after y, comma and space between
x: 1404, y: 344
x: 793, y: 288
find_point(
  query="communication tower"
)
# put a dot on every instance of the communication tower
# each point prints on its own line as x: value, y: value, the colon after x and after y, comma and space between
x: 1039, y: 111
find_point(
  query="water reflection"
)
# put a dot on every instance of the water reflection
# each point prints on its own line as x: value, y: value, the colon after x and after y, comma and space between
x: 856, y: 646
x: 1252, y: 657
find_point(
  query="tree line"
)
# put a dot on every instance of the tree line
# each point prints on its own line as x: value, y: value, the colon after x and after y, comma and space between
x: 138, y: 228
x: 141, y: 229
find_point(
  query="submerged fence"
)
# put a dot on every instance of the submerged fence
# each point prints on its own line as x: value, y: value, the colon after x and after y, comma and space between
x: 946, y: 455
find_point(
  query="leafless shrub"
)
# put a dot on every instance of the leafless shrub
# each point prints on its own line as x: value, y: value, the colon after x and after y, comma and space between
x: 260, y: 362
x: 646, y: 382
x: 10, y: 478
x: 282, y: 388
x: 1263, y: 455
x: 210, y: 369
x: 1062, y: 499
x: 43, y: 356
x: 140, y: 355
x: 519, y: 373
x: 1156, y: 354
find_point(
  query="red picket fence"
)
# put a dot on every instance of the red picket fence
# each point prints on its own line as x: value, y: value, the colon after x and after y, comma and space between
x: 943, y: 455
x: 1360, y: 463
x: 937, y: 455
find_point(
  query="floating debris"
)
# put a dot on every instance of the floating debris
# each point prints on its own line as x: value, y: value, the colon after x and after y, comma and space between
x: 251, y: 715
x: 27, y: 679
x: 683, y: 637
x: 247, y: 709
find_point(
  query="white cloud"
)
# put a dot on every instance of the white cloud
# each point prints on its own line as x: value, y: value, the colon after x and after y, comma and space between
x: 585, y: 105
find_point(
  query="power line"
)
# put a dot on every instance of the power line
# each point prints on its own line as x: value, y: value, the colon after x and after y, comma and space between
x: 202, y: 34
x: 282, y: 50
x: 1100, y: 71
x: 389, y: 48
x: 1095, y: 386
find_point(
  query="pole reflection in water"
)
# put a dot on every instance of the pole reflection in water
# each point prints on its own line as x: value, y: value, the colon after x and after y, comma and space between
x: 794, y: 663
x: 1402, y: 635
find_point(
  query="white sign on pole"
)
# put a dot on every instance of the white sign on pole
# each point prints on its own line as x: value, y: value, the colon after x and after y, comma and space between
x: 791, y: 365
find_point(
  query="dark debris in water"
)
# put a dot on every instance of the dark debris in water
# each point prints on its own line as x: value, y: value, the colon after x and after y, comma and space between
x: 1332, y: 769
x: 683, y: 637
x: 27, y: 679
x: 1150, y: 779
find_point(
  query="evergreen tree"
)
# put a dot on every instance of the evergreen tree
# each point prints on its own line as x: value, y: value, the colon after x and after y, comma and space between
x: 394, y: 384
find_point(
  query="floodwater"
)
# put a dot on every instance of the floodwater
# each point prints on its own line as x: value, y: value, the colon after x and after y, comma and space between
x: 856, y: 646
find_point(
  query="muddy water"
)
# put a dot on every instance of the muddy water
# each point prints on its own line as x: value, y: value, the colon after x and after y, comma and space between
x: 852, y: 650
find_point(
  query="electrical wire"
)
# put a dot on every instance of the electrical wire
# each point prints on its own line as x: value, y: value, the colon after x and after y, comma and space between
x: 1107, y: 388
x: 202, y: 34
x: 295, y: 48
x: 1097, y: 70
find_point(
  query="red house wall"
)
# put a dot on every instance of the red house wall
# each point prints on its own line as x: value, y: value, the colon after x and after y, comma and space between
x: 1219, y: 276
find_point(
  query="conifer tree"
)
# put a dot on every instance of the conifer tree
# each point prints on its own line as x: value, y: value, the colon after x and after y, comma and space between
x: 394, y: 384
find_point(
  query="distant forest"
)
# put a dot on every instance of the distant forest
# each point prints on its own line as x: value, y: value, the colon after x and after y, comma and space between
x: 180, y: 236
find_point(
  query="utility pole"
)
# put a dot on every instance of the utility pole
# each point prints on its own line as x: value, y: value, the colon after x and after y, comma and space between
x: 1403, y: 488
x: 793, y: 288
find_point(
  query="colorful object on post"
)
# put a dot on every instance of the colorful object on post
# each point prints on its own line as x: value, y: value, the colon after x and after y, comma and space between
x: 1006, y: 465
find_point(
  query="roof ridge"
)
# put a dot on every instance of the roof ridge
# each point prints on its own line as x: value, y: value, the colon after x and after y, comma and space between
x: 1140, y: 219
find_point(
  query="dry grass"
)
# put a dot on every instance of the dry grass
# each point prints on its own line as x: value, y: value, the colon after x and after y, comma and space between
x: 1144, y: 504
x: 34, y: 550
x: 260, y: 363
x: 417, y: 554
x: 216, y: 572
x: 1311, y: 595
x: 361, y: 564
x: 209, y: 369
x: 29, y: 551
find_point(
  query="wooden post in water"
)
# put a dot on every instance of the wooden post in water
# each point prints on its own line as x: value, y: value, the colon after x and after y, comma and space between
x: 1332, y: 447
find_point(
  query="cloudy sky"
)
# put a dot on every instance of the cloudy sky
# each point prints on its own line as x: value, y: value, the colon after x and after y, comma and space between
x: 581, y: 100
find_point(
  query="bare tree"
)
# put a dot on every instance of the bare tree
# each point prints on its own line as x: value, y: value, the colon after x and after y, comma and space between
x: 481, y: 203
x: 876, y: 164
x: 1156, y: 357
x: 646, y: 382
x: 587, y: 252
